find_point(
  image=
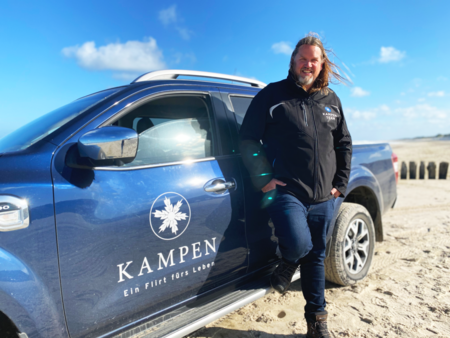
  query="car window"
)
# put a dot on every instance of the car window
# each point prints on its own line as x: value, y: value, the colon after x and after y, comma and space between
x: 171, y: 129
x: 240, y: 106
x: 36, y: 130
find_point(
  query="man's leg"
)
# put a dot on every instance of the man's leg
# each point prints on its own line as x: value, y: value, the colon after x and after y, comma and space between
x: 312, y: 265
x: 289, y: 217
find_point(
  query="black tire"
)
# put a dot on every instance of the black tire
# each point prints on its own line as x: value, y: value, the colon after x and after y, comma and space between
x: 351, y: 216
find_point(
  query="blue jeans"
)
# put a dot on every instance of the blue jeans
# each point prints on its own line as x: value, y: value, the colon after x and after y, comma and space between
x: 301, y: 229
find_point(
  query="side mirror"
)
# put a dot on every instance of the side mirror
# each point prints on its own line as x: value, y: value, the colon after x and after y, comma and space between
x: 104, y: 146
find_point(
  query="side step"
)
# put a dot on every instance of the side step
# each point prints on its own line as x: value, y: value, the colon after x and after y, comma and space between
x: 197, y: 317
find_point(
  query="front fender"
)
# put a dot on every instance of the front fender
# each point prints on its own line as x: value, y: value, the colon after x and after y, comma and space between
x: 25, y: 299
x: 30, y: 292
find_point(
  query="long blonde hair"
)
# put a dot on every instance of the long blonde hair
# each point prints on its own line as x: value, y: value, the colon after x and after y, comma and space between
x: 329, y: 72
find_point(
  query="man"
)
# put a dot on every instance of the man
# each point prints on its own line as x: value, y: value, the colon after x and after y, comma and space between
x: 297, y: 148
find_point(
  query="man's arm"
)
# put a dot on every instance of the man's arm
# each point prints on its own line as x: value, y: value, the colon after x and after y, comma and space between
x: 251, y: 133
x: 343, y: 149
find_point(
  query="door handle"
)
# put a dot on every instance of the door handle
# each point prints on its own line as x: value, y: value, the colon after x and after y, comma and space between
x: 219, y: 186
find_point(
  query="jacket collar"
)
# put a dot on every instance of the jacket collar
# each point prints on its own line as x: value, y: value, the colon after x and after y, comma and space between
x: 298, y: 90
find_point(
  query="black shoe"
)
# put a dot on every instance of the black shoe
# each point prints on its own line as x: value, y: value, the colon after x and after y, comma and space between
x: 282, y: 276
x: 318, y: 327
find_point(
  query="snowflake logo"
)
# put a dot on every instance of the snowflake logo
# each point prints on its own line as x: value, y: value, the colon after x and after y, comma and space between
x: 170, y: 216
x: 175, y: 217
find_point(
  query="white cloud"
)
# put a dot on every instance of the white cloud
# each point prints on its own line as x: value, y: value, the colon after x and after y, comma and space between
x: 390, y: 54
x: 429, y: 113
x: 442, y: 78
x: 422, y: 99
x: 359, y: 92
x: 282, y: 48
x: 169, y: 15
x: 385, y: 108
x: 133, y: 56
x: 360, y: 114
x: 184, y: 33
x: 369, y: 114
x: 440, y: 93
x: 365, y: 115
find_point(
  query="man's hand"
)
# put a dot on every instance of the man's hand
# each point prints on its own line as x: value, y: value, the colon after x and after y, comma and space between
x: 334, y: 192
x: 272, y: 185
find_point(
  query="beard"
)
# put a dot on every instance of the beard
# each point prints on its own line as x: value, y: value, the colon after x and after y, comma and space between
x: 305, y: 80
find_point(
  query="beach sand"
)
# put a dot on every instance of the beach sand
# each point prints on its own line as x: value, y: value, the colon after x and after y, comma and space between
x: 407, y: 291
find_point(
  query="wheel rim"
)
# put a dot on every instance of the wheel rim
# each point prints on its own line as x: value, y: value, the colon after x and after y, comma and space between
x: 356, y: 246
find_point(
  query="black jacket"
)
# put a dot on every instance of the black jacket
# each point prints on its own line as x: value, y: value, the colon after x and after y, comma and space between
x: 305, y: 141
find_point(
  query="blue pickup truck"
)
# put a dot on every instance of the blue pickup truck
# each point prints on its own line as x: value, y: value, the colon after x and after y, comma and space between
x: 129, y: 213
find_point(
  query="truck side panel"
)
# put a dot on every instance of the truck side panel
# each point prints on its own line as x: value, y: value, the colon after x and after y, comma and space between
x: 377, y: 159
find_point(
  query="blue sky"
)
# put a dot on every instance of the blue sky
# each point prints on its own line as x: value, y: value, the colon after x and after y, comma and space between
x: 394, y: 52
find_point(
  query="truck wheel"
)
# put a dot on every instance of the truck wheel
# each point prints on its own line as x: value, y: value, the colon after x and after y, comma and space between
x: 352, y: 245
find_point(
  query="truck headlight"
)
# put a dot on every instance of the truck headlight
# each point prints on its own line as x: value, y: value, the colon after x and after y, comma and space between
x: 13, y: 213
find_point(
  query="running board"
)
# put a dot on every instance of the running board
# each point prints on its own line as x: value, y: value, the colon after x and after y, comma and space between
x: 195, y: 318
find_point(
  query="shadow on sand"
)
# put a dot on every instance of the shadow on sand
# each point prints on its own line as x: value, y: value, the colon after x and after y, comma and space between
x: 220, y: 332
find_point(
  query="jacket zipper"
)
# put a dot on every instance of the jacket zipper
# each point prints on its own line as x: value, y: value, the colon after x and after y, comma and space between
x: 316, y: 151
x: 304, y: 113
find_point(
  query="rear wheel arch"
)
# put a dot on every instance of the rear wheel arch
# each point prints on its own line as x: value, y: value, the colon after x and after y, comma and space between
x: 368, y: 199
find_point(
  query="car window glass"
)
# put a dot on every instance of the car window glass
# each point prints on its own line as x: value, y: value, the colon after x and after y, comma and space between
x: 171, y: 129
x: 240, y: 106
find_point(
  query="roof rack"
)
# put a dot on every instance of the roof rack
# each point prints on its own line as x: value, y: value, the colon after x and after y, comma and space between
x: 174, y: 74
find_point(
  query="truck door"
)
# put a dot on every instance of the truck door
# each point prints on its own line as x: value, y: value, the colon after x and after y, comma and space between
x: 259, y: 229
x: 137, y: 239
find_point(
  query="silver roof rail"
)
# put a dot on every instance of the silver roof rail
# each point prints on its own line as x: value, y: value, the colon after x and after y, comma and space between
x: 174, y: 74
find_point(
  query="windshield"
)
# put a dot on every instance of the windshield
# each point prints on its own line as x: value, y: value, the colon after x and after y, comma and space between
x: 36, y: 130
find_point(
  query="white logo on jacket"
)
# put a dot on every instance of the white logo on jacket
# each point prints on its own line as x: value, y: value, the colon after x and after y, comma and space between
x: 330, y: 116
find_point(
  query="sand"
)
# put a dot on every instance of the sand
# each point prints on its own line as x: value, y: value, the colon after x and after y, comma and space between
x: 407, y: 291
